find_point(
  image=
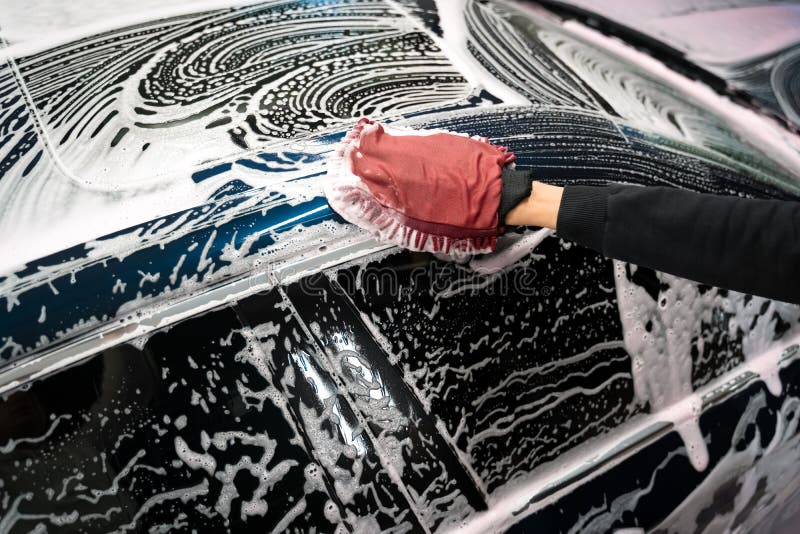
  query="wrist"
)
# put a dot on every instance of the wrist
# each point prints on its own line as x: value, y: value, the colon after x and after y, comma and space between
x: 540, y: 208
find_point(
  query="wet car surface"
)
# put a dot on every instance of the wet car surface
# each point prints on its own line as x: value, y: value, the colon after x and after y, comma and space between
x: 213, y: 349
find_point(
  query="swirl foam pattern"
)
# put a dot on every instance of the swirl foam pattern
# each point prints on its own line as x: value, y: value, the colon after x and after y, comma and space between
x: 200, y: 87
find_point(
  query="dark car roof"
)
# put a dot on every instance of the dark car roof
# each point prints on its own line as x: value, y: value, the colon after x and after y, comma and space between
x: 192, y: 339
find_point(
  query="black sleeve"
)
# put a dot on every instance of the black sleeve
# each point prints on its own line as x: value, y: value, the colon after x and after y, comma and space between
x: 747, y: 245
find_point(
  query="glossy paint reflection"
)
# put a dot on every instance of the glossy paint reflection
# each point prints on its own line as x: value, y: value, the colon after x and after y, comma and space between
x: 241, y: 428
x: 516, y: 373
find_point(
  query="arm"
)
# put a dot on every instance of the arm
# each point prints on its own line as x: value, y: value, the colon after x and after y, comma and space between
x: 746, y: 245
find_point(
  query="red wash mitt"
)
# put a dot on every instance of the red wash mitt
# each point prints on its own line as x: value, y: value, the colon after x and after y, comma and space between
x: 425, y: 190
